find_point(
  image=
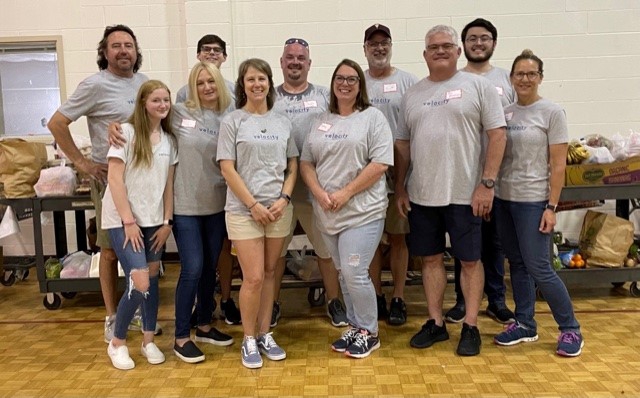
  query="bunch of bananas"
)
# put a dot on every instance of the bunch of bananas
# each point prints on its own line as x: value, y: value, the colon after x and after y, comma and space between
x: 576, y: 153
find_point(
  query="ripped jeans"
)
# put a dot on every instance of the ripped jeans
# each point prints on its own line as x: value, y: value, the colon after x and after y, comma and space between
x: 132, y: 298
x: 352, y: 251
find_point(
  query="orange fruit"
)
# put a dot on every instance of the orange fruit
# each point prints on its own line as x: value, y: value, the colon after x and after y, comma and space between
x: 572, y: 264
x: 577, y: 257
x: 580, y: 263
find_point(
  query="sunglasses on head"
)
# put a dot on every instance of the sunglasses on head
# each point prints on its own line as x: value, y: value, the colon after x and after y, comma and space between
x: 293, y: 40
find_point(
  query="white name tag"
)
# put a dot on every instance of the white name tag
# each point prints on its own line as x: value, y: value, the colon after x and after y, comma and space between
x: 453, y: 94
x: 390, y: 88
x: 508, y: 116
x: 324, y: 127
x: 500, y: 91
x: 310, y: 104
x: 188, y: 123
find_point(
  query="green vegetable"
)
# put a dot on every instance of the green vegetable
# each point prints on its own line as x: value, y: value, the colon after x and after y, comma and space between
x: 557, y: 263
x: 52, y: 268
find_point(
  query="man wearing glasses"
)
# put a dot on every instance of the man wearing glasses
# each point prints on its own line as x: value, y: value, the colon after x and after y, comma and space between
x: 302, y: 101
x: 480, y: 38
x: 450, y: 189
x: 211, y: 48
x: 385, y: 87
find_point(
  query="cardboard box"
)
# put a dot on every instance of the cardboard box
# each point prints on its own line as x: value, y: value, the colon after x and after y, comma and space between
x: 624, y: 172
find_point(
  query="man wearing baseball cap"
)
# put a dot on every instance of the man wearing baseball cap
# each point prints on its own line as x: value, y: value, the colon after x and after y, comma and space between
x: 385, y: 87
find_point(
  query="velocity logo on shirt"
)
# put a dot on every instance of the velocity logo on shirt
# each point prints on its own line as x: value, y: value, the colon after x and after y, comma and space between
x: 434, y: 104
x: 264, y: 136
x: 208, y: 131
x: 516, y: 128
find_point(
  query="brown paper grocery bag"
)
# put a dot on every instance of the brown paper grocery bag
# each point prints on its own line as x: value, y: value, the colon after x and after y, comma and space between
x: 605, y: 239
x: 20, y: 164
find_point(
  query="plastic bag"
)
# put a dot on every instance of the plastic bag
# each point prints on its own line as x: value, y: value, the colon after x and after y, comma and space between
x: 633, y: 144
x: 76, y: 265
x: 56, y: 181
x: 619, y: 151
x: 20, y: 164
x: 304, y: 266
x: 52, y: 268
x: 597, y: 141
x: 599, y: 155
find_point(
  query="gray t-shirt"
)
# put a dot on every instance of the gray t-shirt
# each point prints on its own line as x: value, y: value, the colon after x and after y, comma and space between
x: 500, y: 79
x: 524, y: 173
x: 183, y: 93
x: 145, y: 185
x: 302, y: 110
x: 340, y: 147
x: 444, y: 122
x: 199, y: 187
x: 260, y: 145
x: 103, y: 98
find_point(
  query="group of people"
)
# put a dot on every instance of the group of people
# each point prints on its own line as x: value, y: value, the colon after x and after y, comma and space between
x: 377, y: 151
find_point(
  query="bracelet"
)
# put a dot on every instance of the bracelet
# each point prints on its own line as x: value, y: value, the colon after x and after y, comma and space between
x: 285, y: 197
x: 254, y: 203
x: 129, y: 223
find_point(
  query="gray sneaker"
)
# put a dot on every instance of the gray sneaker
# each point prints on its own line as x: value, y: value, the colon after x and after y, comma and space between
x: 268, y: 346
x: 337, y: 313
x: 250, y: 356
x: 109, y: 326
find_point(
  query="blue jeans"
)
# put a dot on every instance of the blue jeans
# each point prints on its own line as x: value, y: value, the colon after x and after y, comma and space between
x: 528, y: 252
x: 199, y: 241
x: 132, y: 298
x: 352, y: 251
x: 493, y: 262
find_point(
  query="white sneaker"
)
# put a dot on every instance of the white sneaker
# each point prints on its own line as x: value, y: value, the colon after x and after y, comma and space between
x: 152, y: 353
x: 109, y: 326
x: 120, y: 357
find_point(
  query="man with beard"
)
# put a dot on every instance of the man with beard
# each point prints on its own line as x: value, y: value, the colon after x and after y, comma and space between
x: 302, y: 101
x: 105, y: 97
x: 440, y: 127
x: 385, y: 87
x: 480, y: 38
x: 211, y: 48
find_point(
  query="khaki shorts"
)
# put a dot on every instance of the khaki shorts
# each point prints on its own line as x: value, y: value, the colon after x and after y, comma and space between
x: 303, y: 213
x: 97, y: 192
x: 241, y: 227
x: 395, y: 223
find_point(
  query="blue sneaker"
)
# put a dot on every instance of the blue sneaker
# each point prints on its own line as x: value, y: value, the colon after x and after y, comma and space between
x: 268, y: 346
x: 347, y: 338
x: 515, y: 333
x: 250, y: 356
x: 570, y: 344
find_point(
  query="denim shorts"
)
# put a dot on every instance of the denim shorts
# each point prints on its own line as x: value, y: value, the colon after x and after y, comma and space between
x: 429, y: 225
x: 127, y: 257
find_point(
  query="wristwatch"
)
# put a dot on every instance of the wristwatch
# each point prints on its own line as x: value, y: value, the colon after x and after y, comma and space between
x: 168, y: 222
x: 285, y: 197
x: 488, y: 182
x: 551, y: 207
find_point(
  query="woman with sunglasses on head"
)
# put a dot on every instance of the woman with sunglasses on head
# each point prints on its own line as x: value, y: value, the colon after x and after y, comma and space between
x: 344, y: 160
x: 258, y: 158
x: 527, y: 193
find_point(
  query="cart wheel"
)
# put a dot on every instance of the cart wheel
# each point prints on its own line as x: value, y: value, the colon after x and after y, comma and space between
x: 635, y: 291
x: 25, y: 275
x: 52, y: 305
x: 617, y: 284
x: 316, y: 296
x: 8, y: 278
x: 69, y: 295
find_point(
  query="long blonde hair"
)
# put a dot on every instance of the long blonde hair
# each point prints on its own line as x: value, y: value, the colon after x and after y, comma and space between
x: 139, y: 119
x: 193, y: 101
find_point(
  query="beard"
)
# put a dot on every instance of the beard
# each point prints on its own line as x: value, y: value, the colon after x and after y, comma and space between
x: 472, y: 57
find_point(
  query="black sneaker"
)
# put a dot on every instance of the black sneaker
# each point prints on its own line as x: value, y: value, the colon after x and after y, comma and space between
x: 229, y: 312
x: 189, y: 352
x: 347, y: 338
x: 275, y: 314
x: 456, y: 314
x: 337, y: 313
x: 470, y: 341
x: 383, y: 313
x: 397, y: 312
x: 213, y: 336
x: 500, y: 314
x: 429, y: 334
x: 363, y: 345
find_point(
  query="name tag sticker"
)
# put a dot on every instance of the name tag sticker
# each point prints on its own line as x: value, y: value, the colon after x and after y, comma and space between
x: 324, y: 127
x: 500, y: 91
x: 508, y: 116
x: 453, y: 94
x: 188, y: 123
x: 310, y: 104
x: 390, y: 88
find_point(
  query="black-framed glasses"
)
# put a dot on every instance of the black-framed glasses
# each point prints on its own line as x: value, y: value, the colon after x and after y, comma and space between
x: 375, y: 44
x: 351, y: 80
x: 529, y: 75
x: 482, y: 39
x: 211, y: 49
x: 446, y: 47
x: 294, y: 40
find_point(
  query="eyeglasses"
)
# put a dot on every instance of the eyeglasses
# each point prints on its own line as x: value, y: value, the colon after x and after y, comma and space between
x: 446, y: 47
x: 529, y: 75
x: 293, y: 40
x: 482, y: 39
x: 211, y: 49
x: 351, y: 80
x: 375, y: 44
